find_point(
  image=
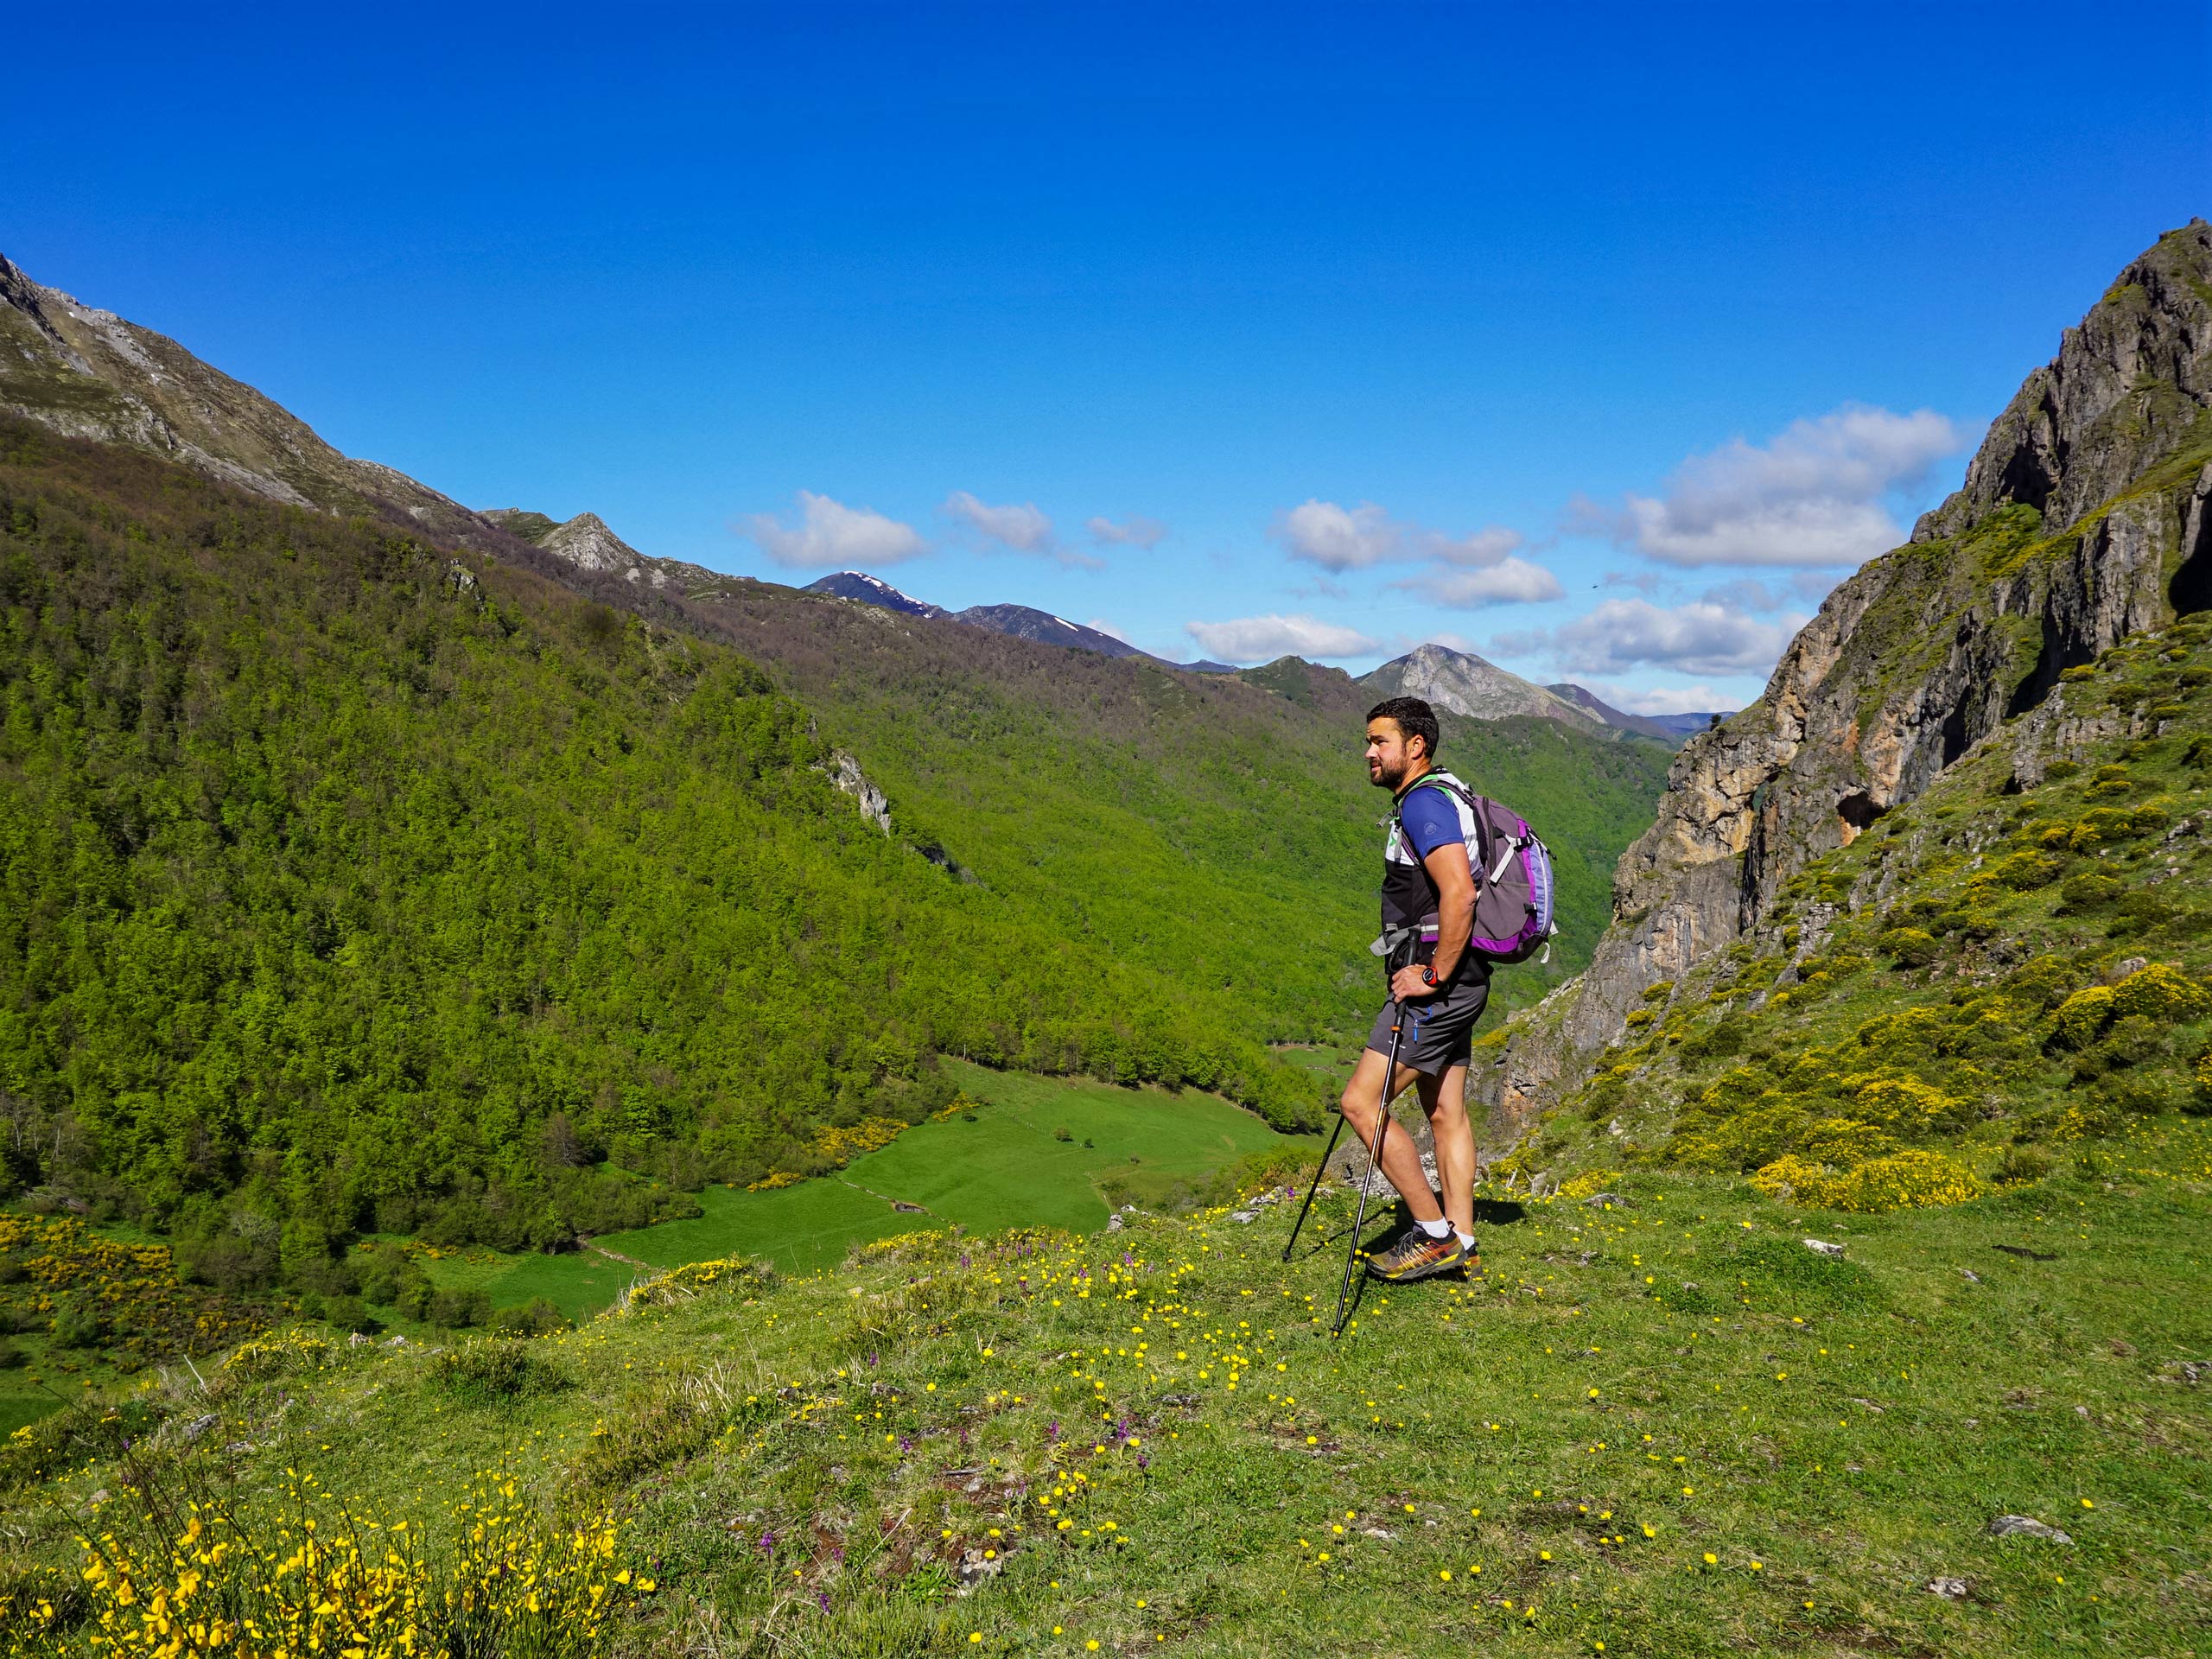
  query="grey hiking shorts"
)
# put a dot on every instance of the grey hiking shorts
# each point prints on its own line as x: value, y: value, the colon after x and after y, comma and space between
x: 1439, y: 1029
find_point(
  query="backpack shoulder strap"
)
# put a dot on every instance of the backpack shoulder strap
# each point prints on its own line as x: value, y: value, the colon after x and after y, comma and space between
x: 1452, y: 786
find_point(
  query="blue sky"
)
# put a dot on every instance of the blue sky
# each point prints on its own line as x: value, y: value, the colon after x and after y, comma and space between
x: 1602, y: 341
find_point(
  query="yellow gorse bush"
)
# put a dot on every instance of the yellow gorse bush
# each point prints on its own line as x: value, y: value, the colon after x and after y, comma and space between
x: 2081, y: 1016
x: 322, y: 1580
x: 282, y: 1353
x: 1902, y: 1180
x: 840, y: 1147
x: 685, y: 1283
x: 134, y: 1288
x: 1904, y: 1105
x: 2159, y: 992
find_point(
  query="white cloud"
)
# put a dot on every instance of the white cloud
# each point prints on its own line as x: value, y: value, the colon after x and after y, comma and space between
x: 1338, y: 538
x: 1815, y: 496
x: 1484, y: 548
x: 1264, y: 638
x: 1749, y: 594
x: 1105, y: 627
x: 1510, y: 581
x: 1022, y: 528
x: 1620, y: 634
x: 831, y: 536
x: 1138, y: 531
x: 1698, y: 699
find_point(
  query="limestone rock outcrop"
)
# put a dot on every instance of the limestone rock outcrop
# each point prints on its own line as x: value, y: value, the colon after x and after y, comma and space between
x: 2086, y: 515
x: 88, y: 373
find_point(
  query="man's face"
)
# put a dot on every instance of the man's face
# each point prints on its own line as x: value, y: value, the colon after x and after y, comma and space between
x: 1387, y: 754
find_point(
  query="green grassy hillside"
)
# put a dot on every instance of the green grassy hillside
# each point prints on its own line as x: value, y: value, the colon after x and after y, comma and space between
x: 1176, y: 820
x: 1660, y: 1428
x: 1988, y: 984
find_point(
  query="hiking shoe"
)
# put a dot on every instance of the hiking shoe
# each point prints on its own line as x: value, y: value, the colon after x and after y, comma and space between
x: 1417, y: 1255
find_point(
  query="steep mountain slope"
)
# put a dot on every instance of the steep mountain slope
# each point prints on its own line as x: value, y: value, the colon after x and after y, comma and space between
x: 2086, y: 517
x: 89, y: 373
x: 347, y: 883
x: 2014, y: 967
x: 1466, y: 684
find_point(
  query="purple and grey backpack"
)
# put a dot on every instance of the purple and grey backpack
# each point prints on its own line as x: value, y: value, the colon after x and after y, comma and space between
x: 1514, y: 894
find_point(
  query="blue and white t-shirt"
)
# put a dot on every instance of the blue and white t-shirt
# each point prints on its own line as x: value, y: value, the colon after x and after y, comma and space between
x: 1432, y: 817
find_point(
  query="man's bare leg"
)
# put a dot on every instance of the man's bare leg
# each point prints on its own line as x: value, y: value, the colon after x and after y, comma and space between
x: 1363, y: 1099
x: 1445, y: 1100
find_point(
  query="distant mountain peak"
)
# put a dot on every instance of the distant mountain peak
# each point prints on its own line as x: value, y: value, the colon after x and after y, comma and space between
x: 1025, y: 622
x: 588, y: 542
x: 873, y: 590
x: 1463, y: 684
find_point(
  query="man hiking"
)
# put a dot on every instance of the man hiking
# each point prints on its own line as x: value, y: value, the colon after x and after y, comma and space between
x: 1429, y: 912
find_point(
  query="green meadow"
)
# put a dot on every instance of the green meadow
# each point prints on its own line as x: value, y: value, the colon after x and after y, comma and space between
x: 1036, y: 1151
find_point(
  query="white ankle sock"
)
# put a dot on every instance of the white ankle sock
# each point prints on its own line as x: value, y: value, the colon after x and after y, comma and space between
x: 1466, y: 1240
x: 1435, y: 1229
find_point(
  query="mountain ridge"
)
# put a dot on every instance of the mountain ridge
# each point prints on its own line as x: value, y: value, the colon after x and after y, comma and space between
x: 89, y: 373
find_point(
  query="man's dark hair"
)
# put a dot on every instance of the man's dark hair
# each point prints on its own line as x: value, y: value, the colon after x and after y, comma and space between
x: 1412, y: 717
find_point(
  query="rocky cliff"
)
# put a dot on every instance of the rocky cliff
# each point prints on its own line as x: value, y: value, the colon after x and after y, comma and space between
x: 589, y: 545
x: 91, y: 374
x: 2086, y: 515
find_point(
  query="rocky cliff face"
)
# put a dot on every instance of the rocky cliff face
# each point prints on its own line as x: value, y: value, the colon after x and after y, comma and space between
x: 90, y: 374
x: 2087, y: 514
x: 585, y: 542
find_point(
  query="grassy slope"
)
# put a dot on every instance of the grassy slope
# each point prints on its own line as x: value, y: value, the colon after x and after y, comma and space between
x: 1175, y: 819
x: 1778, y: 1461
x: 1933, y: 958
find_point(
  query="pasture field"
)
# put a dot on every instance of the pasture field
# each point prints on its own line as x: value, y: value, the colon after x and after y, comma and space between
x: 1009, y: 1166
x: 1006, y: 1164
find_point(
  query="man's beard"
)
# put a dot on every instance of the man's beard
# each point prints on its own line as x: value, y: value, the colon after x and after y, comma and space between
x: 1389, y: 778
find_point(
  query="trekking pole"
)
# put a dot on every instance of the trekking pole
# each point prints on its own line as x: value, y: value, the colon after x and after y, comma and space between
x: 1374, y: 1160
x: 1319, y: 1172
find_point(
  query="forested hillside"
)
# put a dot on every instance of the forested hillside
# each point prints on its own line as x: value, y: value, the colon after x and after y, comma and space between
x: 351, y: 885
x: 348, y: 885
x: 1220, y: 832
